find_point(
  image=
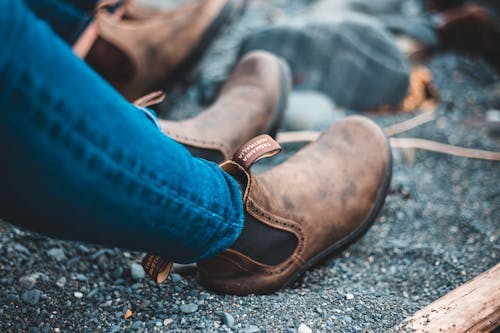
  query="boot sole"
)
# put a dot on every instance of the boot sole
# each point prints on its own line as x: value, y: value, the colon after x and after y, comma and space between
x: 279, y: 111
x: 229, y: 12
x: 341, y: 245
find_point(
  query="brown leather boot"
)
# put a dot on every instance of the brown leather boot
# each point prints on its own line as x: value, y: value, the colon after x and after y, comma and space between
x: 251, y: 102
x: 139, y: 51
x: 304, y: 210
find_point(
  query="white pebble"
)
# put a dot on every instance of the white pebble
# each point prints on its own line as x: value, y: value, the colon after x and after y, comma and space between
x: 349, y: 296
x: 78, y: 294
x: 303, y: 328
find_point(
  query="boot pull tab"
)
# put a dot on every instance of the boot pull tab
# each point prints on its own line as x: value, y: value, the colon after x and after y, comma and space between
x: 156, y: 97
x: 260, y: 147
x: 157, y: 267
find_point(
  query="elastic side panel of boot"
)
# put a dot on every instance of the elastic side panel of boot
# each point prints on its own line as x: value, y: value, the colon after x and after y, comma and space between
x: 265, y: 244
x: 207, y: 154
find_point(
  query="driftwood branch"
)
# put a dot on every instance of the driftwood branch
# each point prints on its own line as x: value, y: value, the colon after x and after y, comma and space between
x: 404, y: 143
x: 473, y: 307
x: 410, y: 123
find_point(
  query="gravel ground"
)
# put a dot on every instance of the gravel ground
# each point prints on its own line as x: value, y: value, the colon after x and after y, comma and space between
x: 439, y: 228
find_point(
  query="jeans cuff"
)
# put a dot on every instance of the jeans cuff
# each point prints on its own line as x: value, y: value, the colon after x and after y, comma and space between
x: 151, y: 115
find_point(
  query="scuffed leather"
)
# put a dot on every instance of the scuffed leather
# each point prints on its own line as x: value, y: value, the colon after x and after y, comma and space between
x: 245, y: 108
x: 322, y: 194
x: 157, y: 44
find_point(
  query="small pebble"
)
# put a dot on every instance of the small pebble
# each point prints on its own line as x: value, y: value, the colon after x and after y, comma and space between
x: 31, y: 297
x: 22, y: 249
x: 137, y: 325
x: 176, y: 278
x: 78, y: 294
x: 189, y: 308
x: 61, y: 282
x: 228, y: 320
x: 81, y: 278
x: 56, y: 254
x: 303, y: 328
x: 137, y: 272
x: 349, y: 296
x: 250, y: 329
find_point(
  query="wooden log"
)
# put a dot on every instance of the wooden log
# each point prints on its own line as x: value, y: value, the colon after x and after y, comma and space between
x: 472, y: 307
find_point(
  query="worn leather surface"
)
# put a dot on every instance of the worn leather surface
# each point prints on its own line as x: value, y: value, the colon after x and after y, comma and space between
x: 321, y: 195
x: 247, y: 106
x: 155, y: 44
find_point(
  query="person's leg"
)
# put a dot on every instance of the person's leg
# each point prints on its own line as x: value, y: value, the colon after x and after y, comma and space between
x: 67, y: 20
x: 85, y: 5
x: 79, y: 162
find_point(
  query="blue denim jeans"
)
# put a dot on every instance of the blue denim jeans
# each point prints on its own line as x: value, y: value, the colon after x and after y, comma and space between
x: 80, y: 162
x: 67, y: 18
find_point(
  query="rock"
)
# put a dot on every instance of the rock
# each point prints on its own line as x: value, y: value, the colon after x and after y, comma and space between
x: 175, y: 278
x: 310, y: 110
x: 250, y: 329
x: 56, y: 254
x: 492, y: 118
x: 168, y: 321
x: 349, y: 296
x: 137, y: 325
x: 81, y: 278
x: 78, y: 294
x: 31, y: 297
x: 72, y: 262
x: 228, y: 320
x: 22, y: 249
x: 137, y: 272
x: 29, y: 281
x: 350, y: 57
x: 144, y: 304
x: 116, y: 329
x: 117, y: 272
x: 303, y: 328
x: 26, y: 282
x: 61, y: 282
x: 189, y: 308
x: 92, y: 293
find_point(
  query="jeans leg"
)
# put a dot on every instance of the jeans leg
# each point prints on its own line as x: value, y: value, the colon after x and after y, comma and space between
x: 80, y: 162
x: 85, y: 5
x: 67, y: 20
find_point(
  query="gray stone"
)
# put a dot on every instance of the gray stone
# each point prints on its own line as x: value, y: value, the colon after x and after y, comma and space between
x: 250, y: 329
x: 56, y: 254
x: 303, y: 328
x: 137, y: 325
x: 310, y: 110
x: 228, y: 320
x: 29, y: 281
x: 351, y: 58
x: 22, y: 249
x: 61, y: 282
x: 189, y: 308
x: 31, y: 297
x: 81, y: 278
x: 137, y: 272
x: 176, y: 277
x: 492, y: 118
